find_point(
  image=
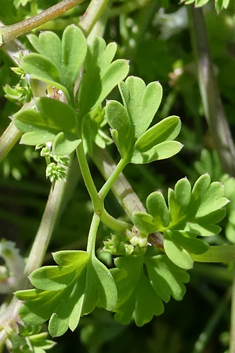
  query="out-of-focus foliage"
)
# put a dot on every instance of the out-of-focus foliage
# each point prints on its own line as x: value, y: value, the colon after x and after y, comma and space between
x: 157, y: 40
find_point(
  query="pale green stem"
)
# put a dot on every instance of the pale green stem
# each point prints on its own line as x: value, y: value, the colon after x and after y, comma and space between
x: 121, y: 188
x: 11, y: 135
x: 95, y: 10
x: 97, y: 202
x: 8, y: 140
x: 112, y: 178
x: 9, y: 33
x: 211, y: 99
x: 86, y: 174
x: 50, y: 217
x: 92, y: 234
x: 112, y: 222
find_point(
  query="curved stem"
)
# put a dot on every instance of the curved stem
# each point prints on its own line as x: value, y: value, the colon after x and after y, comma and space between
x: 86, y: 174
x: 112, y: 178
x: 92, y: 234
x: 9, y: 33
x: 112, y: 222
x: 97, y: 202
x: 121, y: 188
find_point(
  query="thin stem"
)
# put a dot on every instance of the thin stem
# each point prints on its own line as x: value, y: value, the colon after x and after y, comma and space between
x: 112, y: 222
x: 86, y: 174
x: 210, y: 94
x: 8, y: 140
x: 121, y: 188
x: 92, y: 234
x: 112, y: 178
x: 98, y: 205
x: 9, y: 33
x: 92, y: 14
x: 50, y: 217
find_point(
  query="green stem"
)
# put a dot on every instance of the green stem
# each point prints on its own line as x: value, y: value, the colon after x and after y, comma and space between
x: 97, y: 202
x: 210, y: 94
x: 50, y: 217
x: 112, y: 178
x: 86, y: 174
x: 9, y: 33
x: 92, y: 14
x: 92, y: 234
x: 112, y: 222
x: 121, y: 188
x: 8, y: 140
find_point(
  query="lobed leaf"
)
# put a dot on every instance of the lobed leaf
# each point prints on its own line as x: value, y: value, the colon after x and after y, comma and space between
x: 66, y: 292
x: 189, y: 213
x: 100, y: 76
x: 157, y: 207
x: 43, y: 69
x: 67, y: 56
x: 141, y: 102
x: 166, y: 278
x: 140, y: 294
x: 49, y: 45
x: 74, y: 49
x: 54, y: 121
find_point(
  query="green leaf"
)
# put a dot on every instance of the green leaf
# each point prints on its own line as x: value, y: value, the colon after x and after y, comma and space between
x: 74, y: 49
x: 66, y: 292
x: 166, y: 278
x: 189, y: 213
x: 144, y: 222
x: 157, y: 207
x: 176, y: 253
x: 54, y: 121
x: 141, y: 102
x: 136, y: 297
x: 130, y: 122
x: 42, y: 69
x: 118, y: 119
x: 161, y: 151
x: 101, y: 76
x: 67, y: 56
x: 224, y: 253
x: 64, y: 144
x: 49, y: 45
x: 140, y: 292
x: 176, y: 241
x: 167, y: 129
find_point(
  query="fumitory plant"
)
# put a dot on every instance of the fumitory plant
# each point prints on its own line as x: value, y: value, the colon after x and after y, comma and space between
x: 78, y: 101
